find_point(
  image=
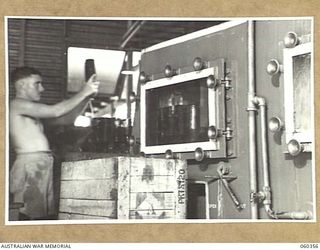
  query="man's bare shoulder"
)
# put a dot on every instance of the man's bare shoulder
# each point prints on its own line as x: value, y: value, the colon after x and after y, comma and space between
x: 17, y: 102
x: 18, y: 105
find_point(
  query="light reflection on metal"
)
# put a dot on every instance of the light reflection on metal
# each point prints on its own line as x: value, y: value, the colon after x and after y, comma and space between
x: 211, y: 82
x: 294, y: 147
x: 143, y: 77
x: 199, y: 154
x: 131, y: 140
x: 169, y: 71
x: 169, y: 154
x: 198, y: 64
x: 117, y: 122
x: 274, y: 67
x: 291, y: 40
x: 132, y: 96
x: 213, y: 132
x: 275, y: 124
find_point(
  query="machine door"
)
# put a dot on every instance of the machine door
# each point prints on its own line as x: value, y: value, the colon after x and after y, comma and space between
x: 185, y: 112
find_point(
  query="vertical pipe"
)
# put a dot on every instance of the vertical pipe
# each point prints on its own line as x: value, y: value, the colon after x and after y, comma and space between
x: 207, y: 200
x: 64, y: 89
x: 129, y: 90
x: 300, y: 215
x: 264, y: 146
x: 251, y: 119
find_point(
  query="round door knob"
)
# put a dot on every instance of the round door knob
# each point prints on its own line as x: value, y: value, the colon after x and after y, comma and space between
x: 274, y: 67
x: 275, y: 124
x: 291, y: 40
x: 169, y: 154
x: 131, y: 140
x: 132, y: 96
x: 294, y: 147
x: 143, y: 77
x: 198, y: 64
x: 213, y: 132
x: 142, y: 154
x: 199, y: 154
x: 211, y: 82
x: 117, y: 122
x: 169, y: 71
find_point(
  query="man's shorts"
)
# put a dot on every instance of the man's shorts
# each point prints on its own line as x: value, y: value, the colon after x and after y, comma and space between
x: 31, y: 180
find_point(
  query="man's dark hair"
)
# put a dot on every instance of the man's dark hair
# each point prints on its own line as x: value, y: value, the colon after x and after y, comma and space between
x: 23, y: 72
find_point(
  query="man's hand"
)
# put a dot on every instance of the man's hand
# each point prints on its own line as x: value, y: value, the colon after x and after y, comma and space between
x: 91, y: 86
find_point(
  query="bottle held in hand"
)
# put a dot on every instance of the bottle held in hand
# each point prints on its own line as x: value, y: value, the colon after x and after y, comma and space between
x: 90, y: 69
x: 90, y: 75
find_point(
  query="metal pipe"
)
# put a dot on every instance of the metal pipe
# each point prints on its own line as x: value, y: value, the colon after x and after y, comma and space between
x: 266, y: 193
x: 287, y: 215
x: 130, y: 29
x: 251, y: 120
x: 131, y: 34
x: 263, y: 112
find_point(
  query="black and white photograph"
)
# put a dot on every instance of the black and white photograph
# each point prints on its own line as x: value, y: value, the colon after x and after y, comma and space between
x: 159, y: 120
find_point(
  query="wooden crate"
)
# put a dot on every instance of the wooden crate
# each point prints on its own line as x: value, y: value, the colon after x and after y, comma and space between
x: 123, y: 188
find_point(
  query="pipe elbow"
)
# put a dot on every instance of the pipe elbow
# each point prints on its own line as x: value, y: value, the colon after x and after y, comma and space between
x: 260, y: 101
x: 270, y: 212
x: 287, y: 215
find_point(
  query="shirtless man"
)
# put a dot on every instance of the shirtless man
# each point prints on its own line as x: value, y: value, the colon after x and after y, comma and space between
x: 31, y: 173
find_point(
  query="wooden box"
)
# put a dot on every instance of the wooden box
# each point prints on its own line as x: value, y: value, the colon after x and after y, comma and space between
x: 123, y: 188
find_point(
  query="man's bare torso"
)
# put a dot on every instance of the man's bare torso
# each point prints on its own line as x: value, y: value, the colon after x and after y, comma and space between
x: 26, y: 132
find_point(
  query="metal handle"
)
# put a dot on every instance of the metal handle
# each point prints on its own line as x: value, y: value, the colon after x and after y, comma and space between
x: 143, y: 77
x: 232, y: 195
x: 169, y: 71
x: 274, y: 67
x: 212, y: 82
x: 291, y: 40
x: 295, y: 147
x: 199, y: 64
x: 213, y: 132
x: 275, y: 124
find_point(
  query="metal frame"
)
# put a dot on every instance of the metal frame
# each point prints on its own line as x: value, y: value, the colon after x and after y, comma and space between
x: 207, y: 198
x: 288, y: 54
x: 183, y: 147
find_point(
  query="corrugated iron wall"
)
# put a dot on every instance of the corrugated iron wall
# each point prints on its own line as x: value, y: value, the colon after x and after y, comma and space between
x: 15, y: 46
x: 39, y: 44
x: 43, y: 43
x: 44, y: 50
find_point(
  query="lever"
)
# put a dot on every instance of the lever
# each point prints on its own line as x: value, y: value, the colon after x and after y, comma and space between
x: 225, y: 183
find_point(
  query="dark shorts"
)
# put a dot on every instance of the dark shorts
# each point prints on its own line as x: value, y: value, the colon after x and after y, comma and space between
x: 31, y: 183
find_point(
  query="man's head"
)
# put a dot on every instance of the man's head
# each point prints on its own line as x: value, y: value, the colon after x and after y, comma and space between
x: 28, y: 83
